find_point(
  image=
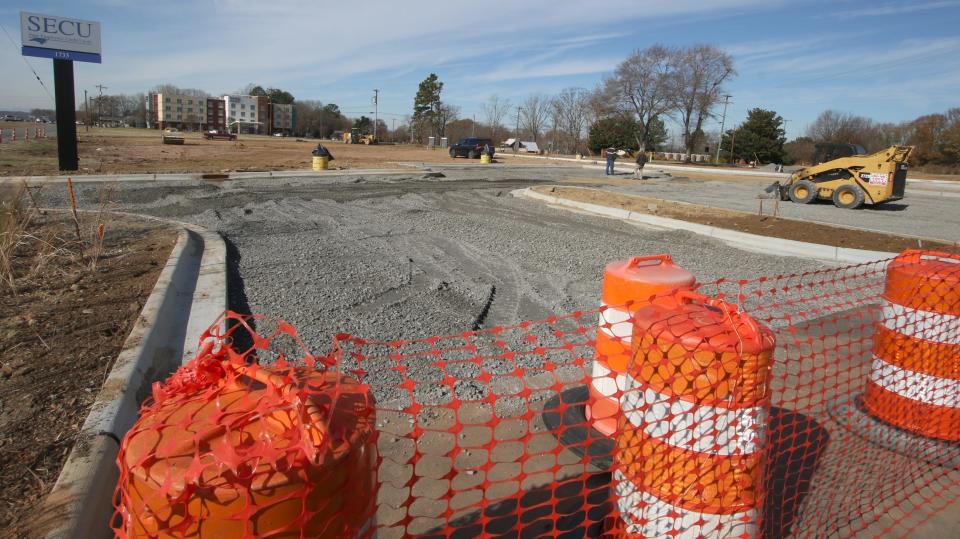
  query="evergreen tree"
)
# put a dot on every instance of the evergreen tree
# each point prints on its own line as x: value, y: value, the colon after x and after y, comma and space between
x: 364, y: 124
x: 624, y: 133
x: 426, y: 107
x: 760, y: 137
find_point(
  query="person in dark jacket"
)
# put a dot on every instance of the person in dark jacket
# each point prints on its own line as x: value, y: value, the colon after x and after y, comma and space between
x: 641, y: 160
x: 322, y: 151
x: 611, y: 157
x: 488, y: 150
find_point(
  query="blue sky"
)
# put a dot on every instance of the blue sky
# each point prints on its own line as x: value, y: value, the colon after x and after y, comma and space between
x: 889, y: 60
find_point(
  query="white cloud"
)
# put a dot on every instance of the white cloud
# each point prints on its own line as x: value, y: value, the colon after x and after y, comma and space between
x: 898, y: 8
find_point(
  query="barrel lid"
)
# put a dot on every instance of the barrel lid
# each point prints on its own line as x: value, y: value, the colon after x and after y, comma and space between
x: 260, y: 426
x: 927, y: 280
x: 638, y: 278
x: 698, y: 322
x: 936, y: 265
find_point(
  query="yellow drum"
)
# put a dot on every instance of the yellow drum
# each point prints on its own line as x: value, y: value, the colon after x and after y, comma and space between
x: 486, y: 159
x: 321, y: 163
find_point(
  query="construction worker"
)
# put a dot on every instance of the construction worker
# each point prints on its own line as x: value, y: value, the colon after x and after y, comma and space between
x: 611, y: 157
x: 641, y: 160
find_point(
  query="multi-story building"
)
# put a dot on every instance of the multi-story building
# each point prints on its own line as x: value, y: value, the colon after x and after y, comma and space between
x: 252, y: 114
x: 281, y: 119
x: 241, y: 111
x: 263, y: 112
x: 184, y: 112
x: 216, y: 117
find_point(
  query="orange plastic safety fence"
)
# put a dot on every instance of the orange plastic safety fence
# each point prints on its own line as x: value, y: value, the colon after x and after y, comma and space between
x: 809, y: 405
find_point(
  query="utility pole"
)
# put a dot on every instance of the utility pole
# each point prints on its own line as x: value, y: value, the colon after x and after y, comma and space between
x: 733, y: 142
x: 516, y: 141
x: 473, y: 126
x: 86, y: 106
x: 376, y: 112
x: 393, y: 130
x: 100, y: 103
x: 723, y: 119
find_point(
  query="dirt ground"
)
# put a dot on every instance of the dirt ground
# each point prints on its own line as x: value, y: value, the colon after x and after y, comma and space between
x: 117, y: 151
x: 752, y: 223
x: 59, y: 335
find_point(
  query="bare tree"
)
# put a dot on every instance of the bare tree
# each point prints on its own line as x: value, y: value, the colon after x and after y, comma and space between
x: 494, y: 110
x: 643, y: 85
x: 572, y: 111
x: 534, y: 113
x: 172, y: 89
x: 445, y: 114
x: 699, y: 73
x: 833, y: 126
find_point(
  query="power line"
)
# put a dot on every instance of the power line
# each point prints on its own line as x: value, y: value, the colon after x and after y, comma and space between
x: 14, y: 43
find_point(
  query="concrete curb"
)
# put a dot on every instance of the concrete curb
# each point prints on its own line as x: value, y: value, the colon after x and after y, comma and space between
x: 211, y: 176
x: 740, y: 240
x: 191, y: 292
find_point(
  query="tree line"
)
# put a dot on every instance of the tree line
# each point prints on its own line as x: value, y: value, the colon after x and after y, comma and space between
x: 761, y: 137
x: 626, y: 109
x: 935, y: 137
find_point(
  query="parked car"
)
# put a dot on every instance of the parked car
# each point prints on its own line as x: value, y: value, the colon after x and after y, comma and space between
x: 470, y: 147
x: 171, y: 136
x: 215, y: 134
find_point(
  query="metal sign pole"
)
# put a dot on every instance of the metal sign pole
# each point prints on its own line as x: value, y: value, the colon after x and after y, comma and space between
x: 66, y: 114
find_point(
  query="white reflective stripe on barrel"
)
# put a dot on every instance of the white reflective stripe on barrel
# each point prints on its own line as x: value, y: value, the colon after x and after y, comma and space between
x: 926, y: 325
x: 364, y: 530
x: 696, y: 427
x: 916, y: 386
x: 604, y: 380
x: 662, y: 519
x: 616, y: 323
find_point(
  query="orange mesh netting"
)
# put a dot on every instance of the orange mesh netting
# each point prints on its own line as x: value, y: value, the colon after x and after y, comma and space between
x: 809, y: 405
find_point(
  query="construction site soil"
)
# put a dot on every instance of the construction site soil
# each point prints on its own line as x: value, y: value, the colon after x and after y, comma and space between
x: 752, y: 223
x: 59, y: 335
x: 127, y: 151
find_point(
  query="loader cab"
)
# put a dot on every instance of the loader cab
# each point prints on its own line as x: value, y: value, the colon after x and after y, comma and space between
x: 828, y: 151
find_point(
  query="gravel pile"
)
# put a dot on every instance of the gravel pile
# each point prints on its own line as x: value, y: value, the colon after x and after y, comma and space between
x: 407, y: 257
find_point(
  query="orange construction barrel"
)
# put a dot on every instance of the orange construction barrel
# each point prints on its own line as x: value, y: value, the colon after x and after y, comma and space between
x: 628, y: 285
x: 688, y: 461
x: 263, y: 452
x: 914, y: 380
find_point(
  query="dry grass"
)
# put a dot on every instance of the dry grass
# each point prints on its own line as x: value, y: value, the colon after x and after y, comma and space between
x: 15, y: 218
x: 26, y: 253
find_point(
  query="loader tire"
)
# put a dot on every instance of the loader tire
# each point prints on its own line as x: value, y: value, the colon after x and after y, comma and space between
x: 848, y: 197
x: 803, y: 192
x: 453, y: 153
x: 473, y: 155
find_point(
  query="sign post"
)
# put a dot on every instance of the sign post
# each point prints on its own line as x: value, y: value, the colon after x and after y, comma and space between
x: 65, y: 40
x: 66, y: 115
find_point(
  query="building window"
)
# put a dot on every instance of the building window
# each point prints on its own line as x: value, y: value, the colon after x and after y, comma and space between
x: 179, y: 100
x: 243, y: 114
x: 189, y: 109
x: 179, y: 109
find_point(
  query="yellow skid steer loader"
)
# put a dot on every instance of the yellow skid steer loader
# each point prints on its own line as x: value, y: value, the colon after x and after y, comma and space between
x: 843, y: 174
